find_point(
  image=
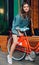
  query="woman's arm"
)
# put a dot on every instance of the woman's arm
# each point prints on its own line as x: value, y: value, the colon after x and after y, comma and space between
x: 15, y: 22
x: 32, y: 29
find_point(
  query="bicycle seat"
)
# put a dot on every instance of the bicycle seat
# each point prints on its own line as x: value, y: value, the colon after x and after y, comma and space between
x: 22, y: 29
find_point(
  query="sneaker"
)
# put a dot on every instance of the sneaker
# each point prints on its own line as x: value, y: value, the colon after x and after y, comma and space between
x: 29, y: 58
x: 9, y: 59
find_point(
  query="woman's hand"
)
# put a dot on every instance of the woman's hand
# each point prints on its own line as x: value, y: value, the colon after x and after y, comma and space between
x: 32, y: 32
x: 20, y: 34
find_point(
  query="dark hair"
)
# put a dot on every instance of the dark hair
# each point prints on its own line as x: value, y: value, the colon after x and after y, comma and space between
x: 23, y: 12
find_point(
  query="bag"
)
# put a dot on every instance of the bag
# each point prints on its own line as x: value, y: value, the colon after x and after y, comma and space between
x: 36, y: 32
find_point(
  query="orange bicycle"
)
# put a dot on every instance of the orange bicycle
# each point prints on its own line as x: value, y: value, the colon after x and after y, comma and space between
x: 23, y: 47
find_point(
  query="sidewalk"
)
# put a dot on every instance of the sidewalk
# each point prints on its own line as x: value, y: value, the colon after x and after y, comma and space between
x: 3, y: 60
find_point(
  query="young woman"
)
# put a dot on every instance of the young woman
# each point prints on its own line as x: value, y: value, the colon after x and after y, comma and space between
x: 21, y: 20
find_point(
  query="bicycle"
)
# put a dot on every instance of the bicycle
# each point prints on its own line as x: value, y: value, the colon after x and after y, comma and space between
x: 22, y: 48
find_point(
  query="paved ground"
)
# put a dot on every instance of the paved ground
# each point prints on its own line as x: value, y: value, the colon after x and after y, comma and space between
x: 3, y: 60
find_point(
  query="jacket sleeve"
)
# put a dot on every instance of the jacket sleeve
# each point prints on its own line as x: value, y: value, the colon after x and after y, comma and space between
x: 15, y: 24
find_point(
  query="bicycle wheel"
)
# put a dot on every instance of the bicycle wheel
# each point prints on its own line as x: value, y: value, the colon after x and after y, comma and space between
x: 17, y: 55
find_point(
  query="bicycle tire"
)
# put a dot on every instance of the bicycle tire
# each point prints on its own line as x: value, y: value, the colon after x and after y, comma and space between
x: 17, y: 55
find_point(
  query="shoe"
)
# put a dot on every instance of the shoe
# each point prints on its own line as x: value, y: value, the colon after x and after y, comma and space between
x: 9, y: 59
x: 29, y: 58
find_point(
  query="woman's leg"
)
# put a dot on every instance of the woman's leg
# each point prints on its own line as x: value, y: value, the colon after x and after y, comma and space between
x: 15, y: 39
x: 9, y: 57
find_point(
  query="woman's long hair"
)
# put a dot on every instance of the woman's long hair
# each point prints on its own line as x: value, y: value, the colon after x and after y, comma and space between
x: 23, y: 13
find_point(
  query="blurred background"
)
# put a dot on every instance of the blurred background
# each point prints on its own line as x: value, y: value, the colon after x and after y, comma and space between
x: 10, y: 8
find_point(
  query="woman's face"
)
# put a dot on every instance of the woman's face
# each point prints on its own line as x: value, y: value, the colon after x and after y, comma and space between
x: 26, y: 8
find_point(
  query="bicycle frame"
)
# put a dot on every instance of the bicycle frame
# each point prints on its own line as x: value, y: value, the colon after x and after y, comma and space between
x: 25, y: 46
x: 24, y: 43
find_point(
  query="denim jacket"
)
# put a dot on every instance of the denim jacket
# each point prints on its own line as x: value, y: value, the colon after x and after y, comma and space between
x: 20, y: 22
